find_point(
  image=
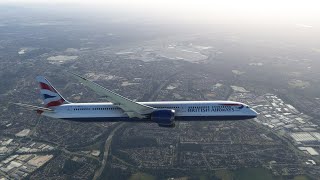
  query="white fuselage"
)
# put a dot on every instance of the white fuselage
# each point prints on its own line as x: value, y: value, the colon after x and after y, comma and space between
x: 184, y: 110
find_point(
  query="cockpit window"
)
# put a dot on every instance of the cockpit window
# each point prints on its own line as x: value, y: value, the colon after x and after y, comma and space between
x: 247, y: 106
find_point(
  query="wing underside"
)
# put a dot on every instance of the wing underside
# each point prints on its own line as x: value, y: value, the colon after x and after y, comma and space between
x: 131, y: 108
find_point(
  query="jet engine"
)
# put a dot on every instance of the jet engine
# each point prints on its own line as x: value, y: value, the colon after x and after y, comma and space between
x: 164, y: 117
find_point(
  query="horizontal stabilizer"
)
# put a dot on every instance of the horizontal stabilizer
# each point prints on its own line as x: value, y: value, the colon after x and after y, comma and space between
x: 34, y: 108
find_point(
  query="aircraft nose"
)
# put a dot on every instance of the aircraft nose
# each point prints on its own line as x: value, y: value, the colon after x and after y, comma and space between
x: 254, y: 113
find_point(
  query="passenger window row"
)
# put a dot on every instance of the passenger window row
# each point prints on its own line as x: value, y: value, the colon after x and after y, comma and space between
x: 169, y: 107
x: 82, y: 109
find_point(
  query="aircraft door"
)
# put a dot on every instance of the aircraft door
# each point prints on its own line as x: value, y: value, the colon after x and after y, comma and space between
x: 183, y: 108
x: 69, y: 108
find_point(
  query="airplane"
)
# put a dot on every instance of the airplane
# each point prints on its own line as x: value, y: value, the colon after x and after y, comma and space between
x: 120, y: 108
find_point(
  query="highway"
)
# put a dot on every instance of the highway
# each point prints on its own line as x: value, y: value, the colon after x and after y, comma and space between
x: 106, y: 152
x: 98, y: 172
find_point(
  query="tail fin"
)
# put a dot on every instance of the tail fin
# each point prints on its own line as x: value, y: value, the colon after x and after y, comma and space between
x: 51, y: 97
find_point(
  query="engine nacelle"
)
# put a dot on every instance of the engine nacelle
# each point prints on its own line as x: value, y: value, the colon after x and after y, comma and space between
x: 164, y: 117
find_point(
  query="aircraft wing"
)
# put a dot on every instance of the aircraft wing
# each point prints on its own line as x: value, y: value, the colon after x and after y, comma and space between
x: 34, y: 108
x: 131, y: 108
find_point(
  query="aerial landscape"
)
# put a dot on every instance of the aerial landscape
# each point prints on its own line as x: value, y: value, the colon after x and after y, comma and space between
x: 272, y: 66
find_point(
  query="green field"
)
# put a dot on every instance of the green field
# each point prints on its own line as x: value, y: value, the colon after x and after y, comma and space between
x: 301, y: 178
x: 253, y: 174
x: 141, y: 176
x: 223, y: 174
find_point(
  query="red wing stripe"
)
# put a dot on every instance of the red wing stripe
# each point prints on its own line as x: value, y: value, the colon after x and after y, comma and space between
x: 46, y: 86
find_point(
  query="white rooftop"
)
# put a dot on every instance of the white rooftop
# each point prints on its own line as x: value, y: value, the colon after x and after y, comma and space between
x: 310, y: 150
x: 303, y: 136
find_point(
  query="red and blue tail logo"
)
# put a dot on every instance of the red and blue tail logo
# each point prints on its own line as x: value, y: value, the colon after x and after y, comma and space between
x: 51, y: 97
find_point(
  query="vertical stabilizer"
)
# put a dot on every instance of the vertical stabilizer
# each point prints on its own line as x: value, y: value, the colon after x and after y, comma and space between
x: 51, y: 97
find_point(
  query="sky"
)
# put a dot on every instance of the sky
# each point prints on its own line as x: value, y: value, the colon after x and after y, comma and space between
x: 303, y: 12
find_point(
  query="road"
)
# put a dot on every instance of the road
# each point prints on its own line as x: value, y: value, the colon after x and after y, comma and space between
x: 98, y: 173
x: 106, y: 152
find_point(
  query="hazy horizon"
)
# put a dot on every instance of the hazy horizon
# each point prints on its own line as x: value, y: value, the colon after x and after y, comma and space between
x: 303, y: 13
